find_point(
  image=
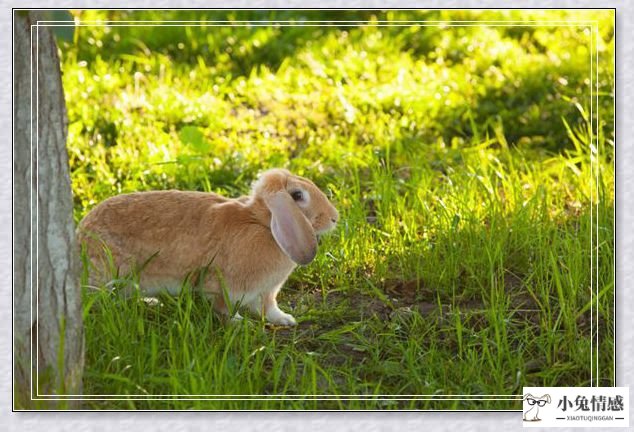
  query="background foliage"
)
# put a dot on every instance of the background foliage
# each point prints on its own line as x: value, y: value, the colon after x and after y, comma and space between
x: 471, y: 165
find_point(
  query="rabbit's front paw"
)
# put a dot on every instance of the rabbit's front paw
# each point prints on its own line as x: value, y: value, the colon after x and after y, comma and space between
x: 277, y: 317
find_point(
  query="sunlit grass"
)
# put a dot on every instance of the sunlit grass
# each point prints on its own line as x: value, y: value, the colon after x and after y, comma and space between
x: 459, y: 159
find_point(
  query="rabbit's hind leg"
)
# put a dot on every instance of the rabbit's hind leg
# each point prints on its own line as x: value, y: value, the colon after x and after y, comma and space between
x: 220, y: 306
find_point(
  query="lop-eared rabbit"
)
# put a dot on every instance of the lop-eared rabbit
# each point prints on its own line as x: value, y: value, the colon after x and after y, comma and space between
x: 247, y: 246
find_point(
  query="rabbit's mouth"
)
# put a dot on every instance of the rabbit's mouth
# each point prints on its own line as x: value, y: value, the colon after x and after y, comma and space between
x: 321, y: 230
x: 319, y: 233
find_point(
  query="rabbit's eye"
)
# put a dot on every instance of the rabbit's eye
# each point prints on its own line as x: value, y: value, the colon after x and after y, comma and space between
x: 297, y: 195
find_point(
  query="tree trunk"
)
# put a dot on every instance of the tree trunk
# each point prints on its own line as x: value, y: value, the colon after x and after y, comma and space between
x: 48, y: 332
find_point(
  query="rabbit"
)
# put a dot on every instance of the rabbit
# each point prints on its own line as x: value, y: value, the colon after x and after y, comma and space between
x: 248, y: 246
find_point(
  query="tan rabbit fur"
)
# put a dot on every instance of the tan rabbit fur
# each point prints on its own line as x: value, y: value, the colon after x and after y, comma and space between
x: 253, y: 243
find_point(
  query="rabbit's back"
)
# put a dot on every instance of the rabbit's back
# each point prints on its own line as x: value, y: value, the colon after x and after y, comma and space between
x: 174, y: 230
x: 150, y: 214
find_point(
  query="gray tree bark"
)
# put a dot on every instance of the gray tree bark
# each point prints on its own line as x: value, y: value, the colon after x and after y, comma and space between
x: 48, y: 332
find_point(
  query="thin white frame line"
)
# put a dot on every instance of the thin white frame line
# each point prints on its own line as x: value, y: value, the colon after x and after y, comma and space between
x: 395, y: 412
x: 37, y: 207
x: 593, y: 186
x: 594, y: 209
x: 536, y: 9
x: 37, y: 25
x: 287, y: 399
x: 591, y: 221
x: 313, y: 25
x: 13, y: 206
x: 31, y: 214
x: 614, y: 210
x: 148, y: 398
x: 292, y: 396
x: 301, y: 396
x: 332, y: 9
x: 255, y: 397
x: 598, y: 168
x: 596, y: 221
x: 248, y: 22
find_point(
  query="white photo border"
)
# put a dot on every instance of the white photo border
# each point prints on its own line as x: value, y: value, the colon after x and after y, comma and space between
x: 366, y: 421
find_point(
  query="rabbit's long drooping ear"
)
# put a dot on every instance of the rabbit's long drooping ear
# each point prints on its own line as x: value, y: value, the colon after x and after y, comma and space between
x: 291, y: 230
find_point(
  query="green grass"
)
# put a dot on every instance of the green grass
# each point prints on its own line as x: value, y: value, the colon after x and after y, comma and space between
x: 459, y: 160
